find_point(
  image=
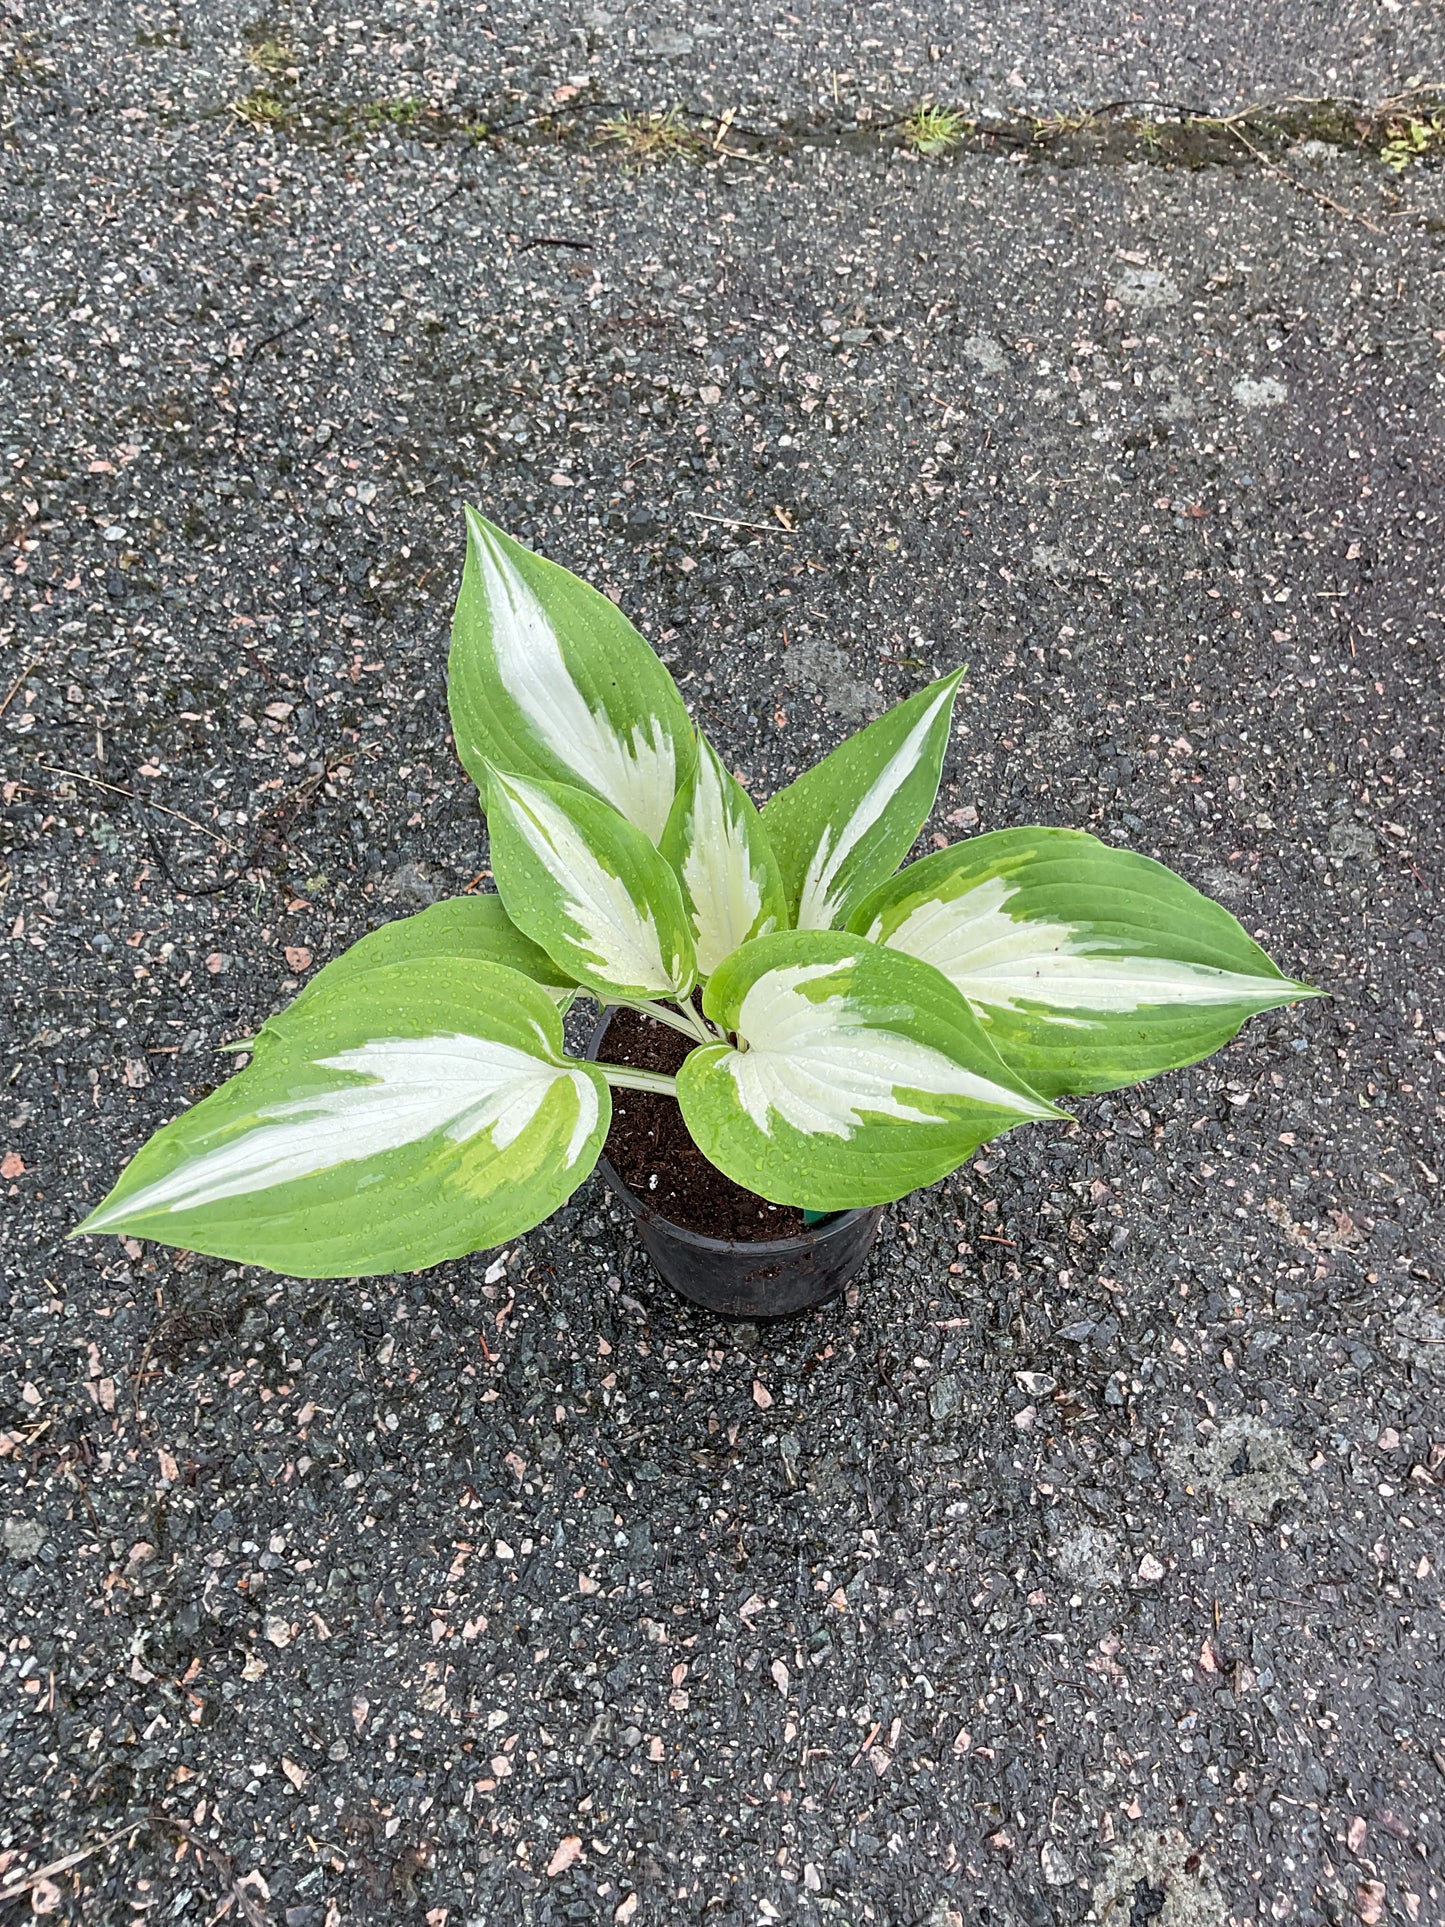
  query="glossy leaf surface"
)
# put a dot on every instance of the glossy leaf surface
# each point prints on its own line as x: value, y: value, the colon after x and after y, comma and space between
x: 1089, y: 967
x: 408, y: 1114
x: 858, y: 1075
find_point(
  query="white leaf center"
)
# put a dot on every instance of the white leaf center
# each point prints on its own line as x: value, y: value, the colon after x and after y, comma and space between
x: 819, y: 902
x: 822, y: 1065
x: 620, y: 939
x: 1012, y: 962
x: 724, y: 892
x: 454, y: 1083
x: 638, y: 777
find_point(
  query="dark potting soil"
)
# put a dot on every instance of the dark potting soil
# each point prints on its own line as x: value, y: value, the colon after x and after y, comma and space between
x: 652, y: 1150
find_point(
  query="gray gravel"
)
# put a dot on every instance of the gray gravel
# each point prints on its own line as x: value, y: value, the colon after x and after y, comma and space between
x: 1084, y: 1563
x: 773, y: 66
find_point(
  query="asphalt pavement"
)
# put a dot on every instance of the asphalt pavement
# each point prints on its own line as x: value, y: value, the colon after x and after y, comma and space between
x: 1084, y: 1564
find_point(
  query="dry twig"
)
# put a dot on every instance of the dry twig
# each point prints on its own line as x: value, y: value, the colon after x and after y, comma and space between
x: 69, y: 1860
x: 79, y: 776
x: 1302, y: 187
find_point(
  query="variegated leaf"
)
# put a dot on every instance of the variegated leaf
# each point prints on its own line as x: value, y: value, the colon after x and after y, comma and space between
x: 858, y: 1074
x: 731, y: 885
x: 476, y: 927
x: 590, y: 889
x: 547, y: 677
x: 1090, y: 967
x: 845, y: 823
x: 408, y: 1113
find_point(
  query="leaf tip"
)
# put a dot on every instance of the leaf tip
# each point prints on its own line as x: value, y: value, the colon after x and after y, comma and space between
x: 1043, y: 1110
x: 95, y: 1223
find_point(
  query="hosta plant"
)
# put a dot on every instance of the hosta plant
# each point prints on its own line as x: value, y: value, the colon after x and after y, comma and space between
x: 857, y: 1030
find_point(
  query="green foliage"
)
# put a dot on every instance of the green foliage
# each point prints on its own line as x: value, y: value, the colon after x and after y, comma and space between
x: 860, y: 1033
x: 548, y: 678
x: 407, y: 1114
x: 590, y: 889
x: 639, y: 138
x: 262, y: 109
x: 859, y: 1073
x: 1409, y: 137
x: 851, y: 819
x: 731, y: 884
x: 934, y: 130
x: 405, y: 112
x: 1089, y: 967
x: 466, y: 927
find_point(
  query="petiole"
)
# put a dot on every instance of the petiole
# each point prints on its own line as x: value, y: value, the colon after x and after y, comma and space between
x: 701, y: 1029
x: 630, y: 1080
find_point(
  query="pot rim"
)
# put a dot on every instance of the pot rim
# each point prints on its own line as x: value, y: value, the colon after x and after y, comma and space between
x: 760, y: 1247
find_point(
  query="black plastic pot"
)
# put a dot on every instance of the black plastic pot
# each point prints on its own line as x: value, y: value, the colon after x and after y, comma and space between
x: 738, y: 1278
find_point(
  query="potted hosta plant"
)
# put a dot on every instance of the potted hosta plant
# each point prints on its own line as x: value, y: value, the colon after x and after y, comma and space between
x: 794, y: 1031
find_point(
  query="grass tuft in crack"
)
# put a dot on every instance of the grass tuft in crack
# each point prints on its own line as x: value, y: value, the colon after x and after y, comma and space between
x: 1049, y: 127
x: 261, y: 110
x: 934, y: 130
x: 657, y: 136
x: 271, y: 57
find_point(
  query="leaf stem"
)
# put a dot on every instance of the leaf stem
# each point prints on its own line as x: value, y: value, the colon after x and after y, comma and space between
x: 701, y: 1029
x: 630, y: 1080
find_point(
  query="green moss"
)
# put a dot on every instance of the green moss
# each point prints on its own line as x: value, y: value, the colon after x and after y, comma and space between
x: 1331, y: 121
x: 405, y: 112
x: 1404, y: 132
